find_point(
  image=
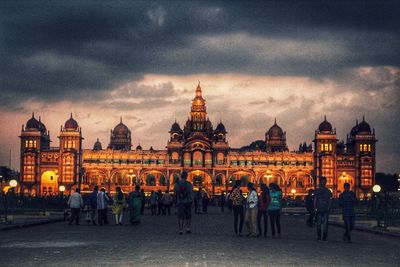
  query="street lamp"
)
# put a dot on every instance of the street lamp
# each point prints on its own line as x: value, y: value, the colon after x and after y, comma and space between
x: 62, y: 189
x: 376, y: 188
x: 13, y: 183
x: 293, y: 191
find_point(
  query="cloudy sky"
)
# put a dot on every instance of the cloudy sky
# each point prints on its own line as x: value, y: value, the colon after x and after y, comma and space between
x: 295, y: 61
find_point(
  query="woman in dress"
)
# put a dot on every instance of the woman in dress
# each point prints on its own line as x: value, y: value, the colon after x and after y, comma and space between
x: 119, y: 205
x: 135, y: 205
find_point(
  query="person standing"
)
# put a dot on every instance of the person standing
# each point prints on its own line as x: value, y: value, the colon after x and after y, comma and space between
x: 119, y: 205
x: 222, y: 201
x: 347, y: 199
x: 274, y: 209
x: 75, y: 202
x: 263, y: 203
x: 204, y: 201
x: 322, y: 203
x: 197, y: 201
x: 143, y: 201
x: 160, y: 206
x: 183, y: 193
x: 102, y: 204
x: 309, y: 199
x: 251, y: 211
x: 93, y: 204
x: 228, y: 201
x: 135, y: 206
x: 153, y: 203
x: 236, y: 198
x: 167, y: 201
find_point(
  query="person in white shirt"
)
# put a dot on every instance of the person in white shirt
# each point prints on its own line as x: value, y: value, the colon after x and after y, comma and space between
x: 75, y: 202
x: 251, y: 212
x: 102, y: 205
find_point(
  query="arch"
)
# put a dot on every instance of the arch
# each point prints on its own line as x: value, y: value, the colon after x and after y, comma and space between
x: 200, y: 178
x: 219, y: 179
x: 174, y: 178
x: 95, y: 177
x: 244, y: 176
x: 150, y: 180
x: 49, y: 183
x: 345, y: 178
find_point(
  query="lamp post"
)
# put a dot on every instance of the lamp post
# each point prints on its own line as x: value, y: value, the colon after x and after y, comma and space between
x: 61, y: 189
x: 377, y: 189
x: 293, y: 191
x: 13, y: 184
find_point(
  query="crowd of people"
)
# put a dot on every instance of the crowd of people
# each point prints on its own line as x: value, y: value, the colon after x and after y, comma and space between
x: 251, y: 211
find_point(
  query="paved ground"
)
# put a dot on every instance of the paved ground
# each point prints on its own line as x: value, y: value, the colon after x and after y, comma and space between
x: 156, y: 243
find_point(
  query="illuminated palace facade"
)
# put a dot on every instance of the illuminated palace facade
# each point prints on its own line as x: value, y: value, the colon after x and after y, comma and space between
x: 200, y: 149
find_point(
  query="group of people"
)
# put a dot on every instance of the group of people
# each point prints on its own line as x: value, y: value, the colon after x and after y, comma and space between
x: 252, y: 211
x: 98, y: 202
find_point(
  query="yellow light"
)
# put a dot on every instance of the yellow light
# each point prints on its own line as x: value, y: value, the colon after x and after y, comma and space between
x: 376, y: 188
x: 61, y: 188
x: 293, y: 191
x: 13, y: 183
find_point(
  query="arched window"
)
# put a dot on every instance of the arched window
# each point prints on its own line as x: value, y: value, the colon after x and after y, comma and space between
x: 322, y: 147
x: 330, y: 147
x: 218, y: 180
x: 150, y: 180
x: 369, y: 148
x: 326, y: 147
x: 163, y: 181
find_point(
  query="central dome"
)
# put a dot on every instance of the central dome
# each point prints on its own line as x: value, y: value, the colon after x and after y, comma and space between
x: 121, y: 129
x: 275, y: 131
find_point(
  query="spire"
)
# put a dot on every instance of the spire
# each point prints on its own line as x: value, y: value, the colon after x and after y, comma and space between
x: 275, y: 121
x: 33, y: 114
x: 40, y: 119
x: 120, y: 120
x: 363, y: 118
x: 324, y: 117
x: 71, y: 115
x: 357, y: 122
x: 198, y: 91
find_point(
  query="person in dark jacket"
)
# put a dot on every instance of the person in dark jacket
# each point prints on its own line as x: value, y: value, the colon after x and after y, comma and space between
x: 263, y: 203
x: 309, y: 199
x: 347, y: 199
x: 322, y: 204
x: 222, y: 201
x: 93, y: 204
x: 160, y: 205
x: 143, y: 201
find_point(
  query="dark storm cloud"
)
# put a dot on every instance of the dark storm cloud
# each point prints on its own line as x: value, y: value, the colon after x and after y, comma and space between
x: 76, y: 49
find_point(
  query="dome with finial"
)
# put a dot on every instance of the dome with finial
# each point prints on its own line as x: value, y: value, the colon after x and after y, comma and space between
x: 71, y: 124
x: 275, y: 131
x: 33, y: 123
x: 175, y: 128
x: 139, y: 147
x: 220, y: 128
x: 364, y: 127
x: 325, y: 126
x: 42, y: 127
x: 121, y: 129
x: 97, y: 145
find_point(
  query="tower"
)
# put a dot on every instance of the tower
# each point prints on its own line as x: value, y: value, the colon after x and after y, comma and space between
x: 275, y: 139
x: 325, y: 144
x: 70, y: 154
x: 361, y: 144
x: 120, y: 137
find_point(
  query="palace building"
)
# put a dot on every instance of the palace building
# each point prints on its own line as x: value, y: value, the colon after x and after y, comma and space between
x: 200, y: 149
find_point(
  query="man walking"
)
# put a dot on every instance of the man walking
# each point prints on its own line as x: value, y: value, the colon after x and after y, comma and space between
x: 102, y: 203
x: 347, y: 199
x: 309, y: 199
x: 322, y: 203
x: 93, y: 204
x: 75, y: 202
x: 183, y: 193
x: 251, y: 212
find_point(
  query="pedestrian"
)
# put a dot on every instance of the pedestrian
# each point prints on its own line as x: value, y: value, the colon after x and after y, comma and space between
x: 274, y: 209
x: 102, y: 205
x: 197, y: 201
x: 119, y: 205
x: 263, y: 203
x: 228, y: 201
x: 222, y: 201
x: 135, y: 206
x: 183, y: 193
x: 251, y: 211
x: 236, y: 198
x: 167, y: 202
x: 204, y: 200
x: 309, y: 199
x: 322, y: 203
x: 143, y: 201
x: 93, y: 204
x: 160, y: 205
x: 347, y: 199
x: 153, y: 203
x: 75, y: 202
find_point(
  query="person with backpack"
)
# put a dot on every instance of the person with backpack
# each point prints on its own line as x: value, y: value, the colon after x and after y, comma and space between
x: 236, y: 199
x: 309, y: 199
x: 251, y: 211
x: 167, y: 201
x: 135, y: 204
x: 263, y: 203
x: 322, y: 203
x: 183, y: 193
x: 274, y: 209
x: 102, y: 205
x: 347, y: 199
x: 93, y: 204
x: 153, y: 203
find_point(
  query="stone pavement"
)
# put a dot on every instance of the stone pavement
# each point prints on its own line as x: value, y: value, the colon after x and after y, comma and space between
x: 156, y: 243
